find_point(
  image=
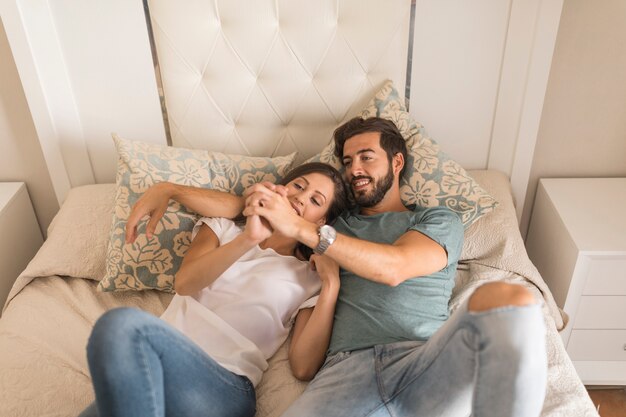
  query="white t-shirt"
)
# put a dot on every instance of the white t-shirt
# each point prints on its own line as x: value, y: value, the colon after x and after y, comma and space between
x: 245, y: 315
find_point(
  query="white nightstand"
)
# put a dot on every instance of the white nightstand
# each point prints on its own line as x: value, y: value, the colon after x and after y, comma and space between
x: 20, y: 234
x: 577, y: 240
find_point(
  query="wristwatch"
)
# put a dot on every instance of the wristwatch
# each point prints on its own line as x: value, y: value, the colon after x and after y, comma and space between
x: 327, y: 236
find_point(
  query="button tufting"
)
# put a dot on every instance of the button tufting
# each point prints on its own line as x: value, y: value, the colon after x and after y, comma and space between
x: 262, y: 71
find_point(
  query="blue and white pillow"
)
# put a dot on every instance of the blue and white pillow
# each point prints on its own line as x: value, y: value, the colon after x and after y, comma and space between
x: 152, y: 263
x: 431, y: 177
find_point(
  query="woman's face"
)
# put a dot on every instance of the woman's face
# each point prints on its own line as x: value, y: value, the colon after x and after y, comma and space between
x: 311, y: 196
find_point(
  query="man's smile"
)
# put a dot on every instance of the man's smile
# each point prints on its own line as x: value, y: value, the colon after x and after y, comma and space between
x: 359, y: 183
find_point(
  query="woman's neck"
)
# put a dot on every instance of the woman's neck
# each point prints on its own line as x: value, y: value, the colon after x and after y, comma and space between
x: 281, y: 244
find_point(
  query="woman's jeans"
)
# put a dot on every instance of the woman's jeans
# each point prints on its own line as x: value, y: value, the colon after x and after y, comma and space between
x: 143, y: 367
x: 483, y: 364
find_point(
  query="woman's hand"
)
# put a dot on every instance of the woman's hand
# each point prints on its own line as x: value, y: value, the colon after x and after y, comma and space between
x: 328, y: 270
x: 257, y: 229
x: 152, y: 203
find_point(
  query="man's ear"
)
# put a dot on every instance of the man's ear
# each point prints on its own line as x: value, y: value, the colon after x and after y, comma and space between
x: 397, y: 163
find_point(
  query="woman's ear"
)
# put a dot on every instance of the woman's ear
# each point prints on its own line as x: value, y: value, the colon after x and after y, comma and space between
x: 321, y: 222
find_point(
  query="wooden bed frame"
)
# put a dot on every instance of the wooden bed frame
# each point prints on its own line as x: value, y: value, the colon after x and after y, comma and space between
x: 478, y: 75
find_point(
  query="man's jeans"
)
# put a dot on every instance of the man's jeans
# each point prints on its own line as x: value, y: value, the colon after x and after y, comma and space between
x: 491, y: 363
x: 141, y: 366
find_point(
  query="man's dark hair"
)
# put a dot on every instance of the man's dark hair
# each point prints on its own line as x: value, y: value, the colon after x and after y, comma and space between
x: 391, y: 139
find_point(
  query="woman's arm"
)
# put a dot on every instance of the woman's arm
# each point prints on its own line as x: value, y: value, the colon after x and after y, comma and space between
x: 313, y: 327
x: 206, y: 260
x: 153, y: 203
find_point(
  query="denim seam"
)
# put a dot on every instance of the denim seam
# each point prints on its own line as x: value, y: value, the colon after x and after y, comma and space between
x: 378, y: 408
x: 347, y: 354
x: 476, y: 379
x: 144, y: 359
x: 378, y: 368
x: 183, y: 346
x: 462, y: 326
x: 384, y: 396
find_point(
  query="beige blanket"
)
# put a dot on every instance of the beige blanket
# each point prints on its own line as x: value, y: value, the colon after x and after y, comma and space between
x: 54, y: 303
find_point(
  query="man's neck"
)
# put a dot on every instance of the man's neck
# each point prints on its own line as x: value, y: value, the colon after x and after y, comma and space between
x: 391, y: 202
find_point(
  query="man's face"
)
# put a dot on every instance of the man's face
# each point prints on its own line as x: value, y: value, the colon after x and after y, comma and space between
x: 368, y: 171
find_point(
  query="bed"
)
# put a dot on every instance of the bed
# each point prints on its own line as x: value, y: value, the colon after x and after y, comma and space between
x: 304, y: 87
x: 54, y: 303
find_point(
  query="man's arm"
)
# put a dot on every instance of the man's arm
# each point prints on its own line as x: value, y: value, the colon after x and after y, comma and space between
x: 153, y: 203
x: 412, y: 255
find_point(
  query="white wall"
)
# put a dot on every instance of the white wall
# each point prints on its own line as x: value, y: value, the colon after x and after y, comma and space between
x: 21, y: 158
x: 113, y: 88
x: 86, y: 70
x: 582, y: 130
x: 583, y: 126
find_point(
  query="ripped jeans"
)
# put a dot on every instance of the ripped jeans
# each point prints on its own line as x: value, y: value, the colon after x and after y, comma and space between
x: 484, y: 364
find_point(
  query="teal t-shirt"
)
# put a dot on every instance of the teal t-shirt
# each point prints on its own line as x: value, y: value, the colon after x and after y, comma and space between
x: 369, y: 313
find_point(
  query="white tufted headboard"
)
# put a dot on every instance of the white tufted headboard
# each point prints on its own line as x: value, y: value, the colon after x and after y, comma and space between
x: 273, y: 77
x: 269, y: 77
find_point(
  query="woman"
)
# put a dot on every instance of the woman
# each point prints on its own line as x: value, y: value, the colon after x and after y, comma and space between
x: 237, y: 294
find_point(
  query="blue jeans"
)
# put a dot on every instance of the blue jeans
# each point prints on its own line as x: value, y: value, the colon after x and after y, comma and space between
x: 142, y: 366
x: 491, y: 363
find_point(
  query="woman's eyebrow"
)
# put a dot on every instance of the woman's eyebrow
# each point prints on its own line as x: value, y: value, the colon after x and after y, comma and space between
x: 316, y: 191
x: 320, y: 193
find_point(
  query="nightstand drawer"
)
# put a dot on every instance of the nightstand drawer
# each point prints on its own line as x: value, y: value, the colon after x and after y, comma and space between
x: 597, y: 345
x: 606, y: 276
x: 601, y: 312
x: 579, y: 248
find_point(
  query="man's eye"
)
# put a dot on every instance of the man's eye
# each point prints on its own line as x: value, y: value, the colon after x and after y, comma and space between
x: 347, y: 163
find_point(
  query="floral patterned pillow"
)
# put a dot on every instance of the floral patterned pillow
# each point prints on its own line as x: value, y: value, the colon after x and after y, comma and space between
x: 152, y: 263
x: 431, y: 178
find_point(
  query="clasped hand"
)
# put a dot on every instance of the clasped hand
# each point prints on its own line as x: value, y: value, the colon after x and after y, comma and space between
x: 270, y: 202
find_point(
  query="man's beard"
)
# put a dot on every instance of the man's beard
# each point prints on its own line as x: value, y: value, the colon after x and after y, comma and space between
x: 378, y: 192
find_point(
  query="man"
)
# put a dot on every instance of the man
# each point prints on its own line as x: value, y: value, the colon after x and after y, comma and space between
x: 394, y: 351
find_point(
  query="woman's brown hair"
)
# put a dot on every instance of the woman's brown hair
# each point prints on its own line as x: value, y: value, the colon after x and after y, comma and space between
x: 339, y: 202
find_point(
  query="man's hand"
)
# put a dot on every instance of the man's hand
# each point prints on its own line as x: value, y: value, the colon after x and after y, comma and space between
x: 152, y: 203
x: 264, y: 186
x: 272, y: 204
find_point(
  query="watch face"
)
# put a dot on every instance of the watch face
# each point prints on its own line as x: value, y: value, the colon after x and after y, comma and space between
x: 327, y: 237
x: 328, y: 233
